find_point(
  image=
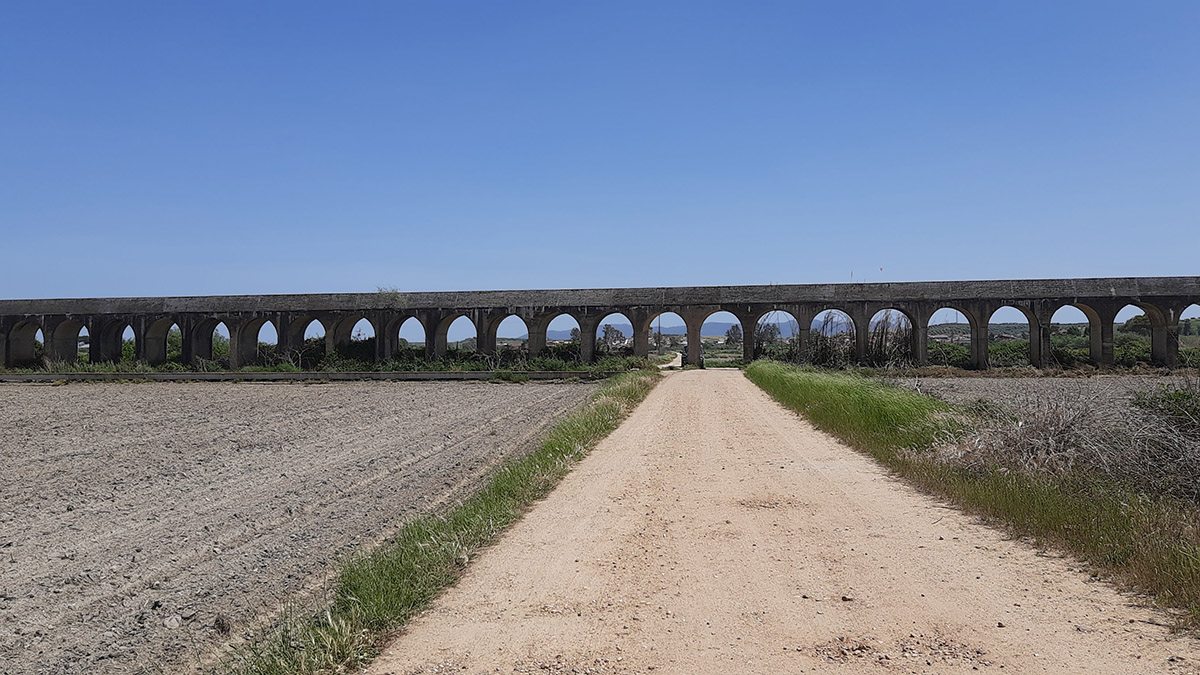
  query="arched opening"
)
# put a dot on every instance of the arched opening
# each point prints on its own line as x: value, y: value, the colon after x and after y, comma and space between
x: 128, y: 343
x: 164, y: 342
x: 1073, y: 342
x: 614, y: 335
x: 949, y: 332
x: 26, y: 346
x: 210, y: 345
x: 1132, y: 330
x: 777, y: 336
x: 410, y: 340
x: 354, y: 339
x: 890, y: 339
x: 461, y: 337
x: 64, y: 342
x: 83, y: 345
x: 831, y: 339
x: 715, y: 331
x: 564, y: 342
x: 266, y: 344
x: 1189, y: 336
x: 512, y: 335
x: 1008, y: 338
x: 669, y: 334
x: 304, y: 348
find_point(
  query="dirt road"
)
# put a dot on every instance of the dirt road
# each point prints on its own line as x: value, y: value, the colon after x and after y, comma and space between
x: 716, y: 532
x: 135, y: 519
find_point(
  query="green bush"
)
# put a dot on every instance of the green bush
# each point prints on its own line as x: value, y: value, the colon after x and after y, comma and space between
x: 945, y: 354
x: 1008, y: 353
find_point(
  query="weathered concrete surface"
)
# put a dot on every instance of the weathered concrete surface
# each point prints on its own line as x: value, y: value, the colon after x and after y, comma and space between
x: 61, y: 320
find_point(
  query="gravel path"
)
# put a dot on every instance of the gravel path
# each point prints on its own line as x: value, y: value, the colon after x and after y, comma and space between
x: 716, y: 532
x: 136, y: 520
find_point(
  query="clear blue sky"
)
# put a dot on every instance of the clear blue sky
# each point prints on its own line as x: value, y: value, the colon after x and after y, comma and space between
x: 154, y: 148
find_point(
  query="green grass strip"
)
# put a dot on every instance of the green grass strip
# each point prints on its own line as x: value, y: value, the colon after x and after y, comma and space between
x: 1150, y: 543
x: 378, y: 591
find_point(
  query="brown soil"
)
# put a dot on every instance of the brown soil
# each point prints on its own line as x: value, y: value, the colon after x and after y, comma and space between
x: 139, y: 523
x: 716, y: 532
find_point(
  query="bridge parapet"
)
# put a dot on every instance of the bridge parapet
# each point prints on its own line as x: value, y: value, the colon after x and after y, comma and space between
x: 61, y: 321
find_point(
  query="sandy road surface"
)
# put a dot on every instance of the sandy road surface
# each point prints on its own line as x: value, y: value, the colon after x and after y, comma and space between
x: 716, y: 532
x: 131, y: 516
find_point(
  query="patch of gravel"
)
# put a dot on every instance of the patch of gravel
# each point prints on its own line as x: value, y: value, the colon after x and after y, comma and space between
x: 145, y: 527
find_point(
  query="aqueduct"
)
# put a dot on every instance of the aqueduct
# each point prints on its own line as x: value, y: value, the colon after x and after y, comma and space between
x: 1163, y: 299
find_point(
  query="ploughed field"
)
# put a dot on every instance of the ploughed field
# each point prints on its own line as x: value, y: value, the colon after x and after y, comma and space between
x: 145, y: 526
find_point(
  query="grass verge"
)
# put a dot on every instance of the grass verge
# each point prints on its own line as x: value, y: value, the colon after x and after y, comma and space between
x: 376, y: 592
x: 1148, y: 541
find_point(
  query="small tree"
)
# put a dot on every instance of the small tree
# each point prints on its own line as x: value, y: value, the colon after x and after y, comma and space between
x: 611, y: 336
x: 1139, y: 324
x: 733, y: 336
x: 576, y: 335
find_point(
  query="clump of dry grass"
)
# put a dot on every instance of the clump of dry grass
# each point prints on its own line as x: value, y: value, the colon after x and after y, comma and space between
x: 1081, y: 430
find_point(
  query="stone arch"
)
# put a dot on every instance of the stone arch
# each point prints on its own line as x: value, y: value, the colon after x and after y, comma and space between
x: 409, y: 338
x: 949, y: 334
x: 1139, y: 340
x: 1006, y: 348
x: 354, y: 337
x: 833, y: 334
x: 790, y: 345
x: 244, y: 348
x: 1069, y: 347
x: 114, y: 342
x: 613, y: 344
x: 451, y: 335
x: 23, y: 343
x: 891, y: 338
x: 513, y: 329
x: 678, y: 332
x: 302, y: 342
x: 563, y: 336
x: 163, y: 341
x: 712, y: 328
x: 63, y: 342
x: 210, y: 340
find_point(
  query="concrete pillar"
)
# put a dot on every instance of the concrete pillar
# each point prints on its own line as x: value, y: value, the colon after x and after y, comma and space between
x: 1103, y: 345
x: 243, y: 344
x: 537, y: 336
x: 695, y: 346
x: 587, y: 339
x: 187, y: 348
x: 749, y: 321
x: 1171, y: 353
x: 641, y: 337
x: 979, y: 344
x: 920, y: 341
x: 862, y: 331
x: 383, y: 343
x: 485, y: 334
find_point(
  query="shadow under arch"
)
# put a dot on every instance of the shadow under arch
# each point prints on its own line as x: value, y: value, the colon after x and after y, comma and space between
x: 163, y: 342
